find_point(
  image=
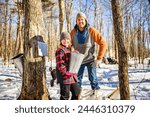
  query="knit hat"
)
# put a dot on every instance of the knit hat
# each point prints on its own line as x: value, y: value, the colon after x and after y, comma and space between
x: 81, y: 14
x: 65, y: 35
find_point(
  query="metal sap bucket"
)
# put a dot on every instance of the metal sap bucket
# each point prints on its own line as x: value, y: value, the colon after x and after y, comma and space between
x: 76, y: 59
x: 18, y: 61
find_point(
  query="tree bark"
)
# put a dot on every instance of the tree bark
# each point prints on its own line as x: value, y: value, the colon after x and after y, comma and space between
x: 123, y: 61
x: 1, y: 28
x: 68, y: 7
x: 5, y: 32
x: 127, y: 27
x: 18, y: 33
x: 61, y: 14
x: 10, y: 42
x: 34, y: 72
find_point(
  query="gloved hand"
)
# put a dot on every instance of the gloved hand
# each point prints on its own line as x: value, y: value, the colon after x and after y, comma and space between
x: 96, y: 63
x: 68, y: 74
x: 76, y: 51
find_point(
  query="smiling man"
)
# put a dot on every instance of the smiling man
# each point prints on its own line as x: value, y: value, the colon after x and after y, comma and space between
x: 84, y: 39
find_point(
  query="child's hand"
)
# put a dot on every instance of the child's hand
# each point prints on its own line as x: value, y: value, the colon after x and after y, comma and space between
x: 68, y: 74
x: 75, y: 51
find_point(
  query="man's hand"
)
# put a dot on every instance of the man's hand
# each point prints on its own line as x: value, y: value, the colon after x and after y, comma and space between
x: 96, y: 63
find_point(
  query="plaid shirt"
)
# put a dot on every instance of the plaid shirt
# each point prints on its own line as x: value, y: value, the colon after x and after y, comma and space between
x: 62, y: 64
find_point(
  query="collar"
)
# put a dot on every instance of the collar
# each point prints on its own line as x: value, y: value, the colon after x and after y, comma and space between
x: 85, y: 28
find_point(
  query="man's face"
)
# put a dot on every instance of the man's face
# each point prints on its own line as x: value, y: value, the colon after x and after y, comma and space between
x: 81, y: 22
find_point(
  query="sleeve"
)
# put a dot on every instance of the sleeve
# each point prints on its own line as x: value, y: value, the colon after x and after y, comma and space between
x: 71, y: 34
x: 60, y: 62
x: 97, y: 37
x: 61, y: 65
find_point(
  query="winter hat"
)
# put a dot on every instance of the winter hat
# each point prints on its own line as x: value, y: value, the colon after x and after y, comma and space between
x: 65, y: 35
x: 81, y: 14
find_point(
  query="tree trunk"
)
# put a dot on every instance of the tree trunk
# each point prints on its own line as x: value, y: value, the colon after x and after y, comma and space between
x: 80, y: 5
x: 49, y: 36
x: 17, y: 35
x: 9, y: 49
x: 139, y: 38
x: 95, y: 14
x: 61, y: 14
x: 5, y: 32
x: 123, y: 62
x: 68, y: 7
x: 115, y: 48
x: 1, y: 27
x: 127, y: 27
x: 19, y: 41
x: 34, y: 72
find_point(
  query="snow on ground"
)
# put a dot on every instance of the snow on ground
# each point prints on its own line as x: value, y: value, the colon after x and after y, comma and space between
x: 139, y: 79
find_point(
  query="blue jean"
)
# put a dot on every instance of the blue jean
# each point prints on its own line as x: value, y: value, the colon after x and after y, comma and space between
x: 91, y: 74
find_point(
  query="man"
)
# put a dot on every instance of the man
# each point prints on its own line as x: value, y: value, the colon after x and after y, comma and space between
x: 84, y: 38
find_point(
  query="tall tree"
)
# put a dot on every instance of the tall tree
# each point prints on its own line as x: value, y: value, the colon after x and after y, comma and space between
x: 5, y: 31
x: 34, y: 74
x: 1, y: 27
x: 123, y: 61
x: 127, y: 26
x: 9, y: 49
x: 68, y: 7
x: 19, y: 40
x: 48, y: 9
x: 139, y: 34
x: 80, y: 5
x: 61, y: 14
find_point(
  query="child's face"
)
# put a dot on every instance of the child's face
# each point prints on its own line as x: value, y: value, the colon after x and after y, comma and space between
x: 66, y: 42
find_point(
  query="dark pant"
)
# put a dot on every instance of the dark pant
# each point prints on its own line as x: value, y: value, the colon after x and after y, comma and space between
x: 65, y: 91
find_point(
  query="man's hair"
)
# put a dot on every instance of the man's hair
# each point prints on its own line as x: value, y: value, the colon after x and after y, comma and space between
x: 81, y: 14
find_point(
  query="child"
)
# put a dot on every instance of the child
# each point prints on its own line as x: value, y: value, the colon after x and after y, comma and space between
x: 67, y: 80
